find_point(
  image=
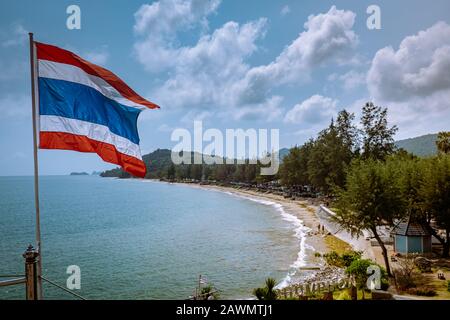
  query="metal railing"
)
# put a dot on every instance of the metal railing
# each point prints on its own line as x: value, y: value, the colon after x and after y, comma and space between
x: 31, y: 277
x: 16, y: 279
x: 62, y: 288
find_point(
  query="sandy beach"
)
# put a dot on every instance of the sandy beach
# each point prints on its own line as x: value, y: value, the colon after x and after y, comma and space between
x: 310, y: 215
x: 303, y: 210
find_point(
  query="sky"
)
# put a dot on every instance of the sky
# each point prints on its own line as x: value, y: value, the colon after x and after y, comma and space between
x: 287, y: 65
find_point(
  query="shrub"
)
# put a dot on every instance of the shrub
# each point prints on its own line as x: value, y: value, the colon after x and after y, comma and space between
x: 425, y: 292
x: 407, y: 264
x: 404, y: 280
x: 268, y: 292
x: 448, y: 285
x: 358, y: 270
x: 384, y: 283
x: 259, y: 293
x: 404, y: 274
x: 349, y: 257
x: 333, y: 259
x: 209, y: 292
x: 342, y: 261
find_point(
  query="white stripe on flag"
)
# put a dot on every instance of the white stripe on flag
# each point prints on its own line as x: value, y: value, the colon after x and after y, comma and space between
x: 68, y: 72
x: 92, y: 131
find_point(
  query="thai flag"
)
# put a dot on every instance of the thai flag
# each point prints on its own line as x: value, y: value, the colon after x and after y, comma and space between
x: 86, y: 108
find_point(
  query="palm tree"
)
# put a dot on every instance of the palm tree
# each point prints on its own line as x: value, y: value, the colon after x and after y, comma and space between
x: 267, y: 292
x: 443, y: 142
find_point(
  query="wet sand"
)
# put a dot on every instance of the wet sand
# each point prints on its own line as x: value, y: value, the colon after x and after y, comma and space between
x: 311, y: 217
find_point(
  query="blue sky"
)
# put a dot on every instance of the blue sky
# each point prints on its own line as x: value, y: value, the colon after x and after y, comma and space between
x: 290, y: 65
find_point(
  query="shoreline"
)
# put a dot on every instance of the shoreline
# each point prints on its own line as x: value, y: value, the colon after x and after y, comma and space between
x: 307, y: 212
x: 303, y: 215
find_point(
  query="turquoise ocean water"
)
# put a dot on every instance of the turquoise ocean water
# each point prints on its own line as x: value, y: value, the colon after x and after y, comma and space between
x: 140, y: 239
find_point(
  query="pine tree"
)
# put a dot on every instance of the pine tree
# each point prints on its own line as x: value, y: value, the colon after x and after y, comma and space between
x: 378, y: 137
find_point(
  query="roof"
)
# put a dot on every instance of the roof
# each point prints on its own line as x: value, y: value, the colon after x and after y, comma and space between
x: 411, y: 228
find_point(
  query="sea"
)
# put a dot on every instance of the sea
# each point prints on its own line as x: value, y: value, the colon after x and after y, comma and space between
x: 145, y: 239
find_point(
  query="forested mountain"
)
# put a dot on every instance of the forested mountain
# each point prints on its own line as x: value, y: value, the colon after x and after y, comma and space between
x: 159, y: 165
x: 159, y: 161
x: 420, y: 146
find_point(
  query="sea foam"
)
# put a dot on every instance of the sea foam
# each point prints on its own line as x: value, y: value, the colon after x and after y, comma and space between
x: 300, y: 232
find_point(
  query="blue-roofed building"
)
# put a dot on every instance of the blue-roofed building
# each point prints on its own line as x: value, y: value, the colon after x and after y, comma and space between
x: 411, y: 237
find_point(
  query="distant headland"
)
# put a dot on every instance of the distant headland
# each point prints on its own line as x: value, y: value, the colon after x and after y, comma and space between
x: 79, y: 174
x: 94, y: 173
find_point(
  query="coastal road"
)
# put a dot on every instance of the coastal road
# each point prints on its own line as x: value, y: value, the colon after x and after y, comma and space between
x: 358, y: 244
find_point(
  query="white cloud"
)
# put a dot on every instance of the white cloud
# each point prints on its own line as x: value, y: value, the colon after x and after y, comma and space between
x: 165, y: 17
x: 195, y: 115
x: 204, y: 73
x: 326, y: 38
x: 419, y: 116
x: 349, y: 80
x: 157, y: 24
x: 414, y: 81
x: 17, y: 37
x: 285, y: 10
x: 269, y: 111
x: 214, y: 72
x: 419, y: 68
x: 316, y: 109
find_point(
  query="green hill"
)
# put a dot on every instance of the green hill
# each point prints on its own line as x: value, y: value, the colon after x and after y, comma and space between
x: 420, y: 146
x: 159, y: 161
x: 283, y: 153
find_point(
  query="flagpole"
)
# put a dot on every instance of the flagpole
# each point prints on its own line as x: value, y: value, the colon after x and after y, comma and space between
x: 35, y: 154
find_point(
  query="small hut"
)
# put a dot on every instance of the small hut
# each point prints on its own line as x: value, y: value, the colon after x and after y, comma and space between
x: 411, y: 237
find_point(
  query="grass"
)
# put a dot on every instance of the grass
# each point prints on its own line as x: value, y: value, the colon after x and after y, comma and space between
x: 430, y: 281
x: 338, y: 295
x: 335, y: 244
x: 440, y: 286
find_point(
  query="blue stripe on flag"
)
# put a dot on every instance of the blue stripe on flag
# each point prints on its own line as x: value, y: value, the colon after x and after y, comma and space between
x: 77, y: 101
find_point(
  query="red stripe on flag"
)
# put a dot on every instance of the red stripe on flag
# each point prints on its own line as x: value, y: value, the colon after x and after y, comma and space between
x: 52, y: 53
x: 106, y: 151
